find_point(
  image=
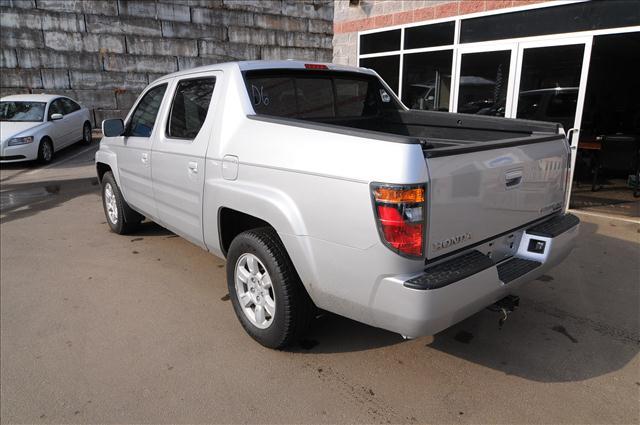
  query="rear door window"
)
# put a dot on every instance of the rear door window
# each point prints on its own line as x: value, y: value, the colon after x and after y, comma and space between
x: 190, y: 107
x: 56, y: 107
x: 69, y: 105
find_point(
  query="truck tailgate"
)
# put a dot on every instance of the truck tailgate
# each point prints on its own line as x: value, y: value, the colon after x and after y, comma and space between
x: 474, y: 195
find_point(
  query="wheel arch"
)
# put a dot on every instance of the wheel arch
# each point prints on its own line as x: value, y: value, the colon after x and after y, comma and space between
x: 231, y: 222
x: 106, y: 161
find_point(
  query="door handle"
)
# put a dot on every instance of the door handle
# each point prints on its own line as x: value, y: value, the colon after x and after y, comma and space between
x: 144, y: 158
x: 513, y: 178
x: 570, y: 134
x: 193, y: 167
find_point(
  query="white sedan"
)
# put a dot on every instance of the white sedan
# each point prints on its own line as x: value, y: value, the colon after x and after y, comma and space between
x: 34, y: 126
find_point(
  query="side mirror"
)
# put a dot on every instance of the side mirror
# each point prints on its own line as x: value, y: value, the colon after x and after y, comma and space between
x: 113, y: 127
x: 56, y: 117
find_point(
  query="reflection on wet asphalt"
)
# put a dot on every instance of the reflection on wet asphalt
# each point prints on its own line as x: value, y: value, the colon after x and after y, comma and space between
x: 22, y: 199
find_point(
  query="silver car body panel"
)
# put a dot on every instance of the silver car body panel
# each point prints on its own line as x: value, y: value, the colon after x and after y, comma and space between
x: 313, y: 188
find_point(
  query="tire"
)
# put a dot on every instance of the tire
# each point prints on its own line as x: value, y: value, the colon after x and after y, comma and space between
x: 292, y: 308
x: 120, y: 217
x: 86, y: 133
x: 45, y: 151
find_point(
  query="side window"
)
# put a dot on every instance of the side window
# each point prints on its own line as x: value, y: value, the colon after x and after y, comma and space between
x: 144, y: 117
x: 190, y: 107
x: 56, y: 107
x: 69, y: 105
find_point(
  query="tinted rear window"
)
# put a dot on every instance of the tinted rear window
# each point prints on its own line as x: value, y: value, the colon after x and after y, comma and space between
x: 317, y: 95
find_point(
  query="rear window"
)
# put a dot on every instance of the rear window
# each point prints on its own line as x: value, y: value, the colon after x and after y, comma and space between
x: 317, y: 95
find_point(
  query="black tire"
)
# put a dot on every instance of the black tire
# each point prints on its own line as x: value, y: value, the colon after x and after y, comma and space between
x: 126, y: 220
x: 45, y: 151
x: 294, y: 310
x: 86, y: 133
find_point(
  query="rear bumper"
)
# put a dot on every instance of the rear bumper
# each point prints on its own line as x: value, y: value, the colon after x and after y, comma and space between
x: 424, y: 304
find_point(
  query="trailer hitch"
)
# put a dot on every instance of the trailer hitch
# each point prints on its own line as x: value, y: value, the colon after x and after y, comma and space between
x: 505, y: 306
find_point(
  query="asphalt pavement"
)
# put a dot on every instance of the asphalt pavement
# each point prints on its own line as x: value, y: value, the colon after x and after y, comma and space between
x: 101, y: 328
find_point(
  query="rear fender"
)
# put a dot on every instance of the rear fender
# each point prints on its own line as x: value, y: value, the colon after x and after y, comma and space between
x: 268, y: 204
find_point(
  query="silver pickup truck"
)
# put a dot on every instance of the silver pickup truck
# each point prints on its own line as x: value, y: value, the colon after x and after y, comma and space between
x: 323, y: 191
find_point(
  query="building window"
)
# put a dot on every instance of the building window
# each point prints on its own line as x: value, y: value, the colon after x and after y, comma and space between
x: 426, y: 82
x: 386, y: 41
x: 483, y: 83
x: 429, y: 35
x: 582, y: 16
x: 387, y: 66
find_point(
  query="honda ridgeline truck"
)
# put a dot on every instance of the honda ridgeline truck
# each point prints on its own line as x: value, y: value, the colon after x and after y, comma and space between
x: 322, y: 190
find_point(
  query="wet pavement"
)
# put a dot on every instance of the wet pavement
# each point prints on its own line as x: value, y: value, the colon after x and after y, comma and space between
x: 96, y: 327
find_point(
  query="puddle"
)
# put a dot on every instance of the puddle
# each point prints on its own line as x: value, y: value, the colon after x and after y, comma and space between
x: 17, y: 198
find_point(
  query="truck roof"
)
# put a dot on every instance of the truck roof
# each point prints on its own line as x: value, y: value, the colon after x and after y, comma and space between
x: 264, y: 64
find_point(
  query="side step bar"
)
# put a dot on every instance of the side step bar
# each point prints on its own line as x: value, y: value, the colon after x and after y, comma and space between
x: 451, y: 271
x: 512, y: 269
x: 555, y: 226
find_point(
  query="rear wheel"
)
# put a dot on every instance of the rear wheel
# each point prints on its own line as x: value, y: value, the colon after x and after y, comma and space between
x: 267, y: 294
x: 86, y: 133
x: 115, y: 207
x: 45, y: 151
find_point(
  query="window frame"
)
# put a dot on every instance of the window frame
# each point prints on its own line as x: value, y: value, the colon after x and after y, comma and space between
x: 176, y: 83
x: 127, y: 122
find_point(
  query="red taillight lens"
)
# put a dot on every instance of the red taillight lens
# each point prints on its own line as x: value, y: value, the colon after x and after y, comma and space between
x: 400, y: 215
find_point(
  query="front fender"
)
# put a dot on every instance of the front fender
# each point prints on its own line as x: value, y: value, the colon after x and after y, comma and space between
x: 105, y: 156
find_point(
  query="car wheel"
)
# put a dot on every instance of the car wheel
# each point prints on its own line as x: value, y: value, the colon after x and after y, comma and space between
x: 86, y: 133
x: 45, y: 151
x: 115, y: 206
x: 266, y: 292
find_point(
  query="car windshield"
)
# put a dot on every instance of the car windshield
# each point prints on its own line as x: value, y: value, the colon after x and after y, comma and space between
x: 22, y: 111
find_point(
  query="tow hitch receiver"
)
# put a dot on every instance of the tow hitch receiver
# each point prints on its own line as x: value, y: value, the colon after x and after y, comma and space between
x: 505, y: 306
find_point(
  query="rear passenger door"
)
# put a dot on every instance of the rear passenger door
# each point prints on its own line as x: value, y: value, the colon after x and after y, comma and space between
x: 74, y: 118
x: 178, y: 155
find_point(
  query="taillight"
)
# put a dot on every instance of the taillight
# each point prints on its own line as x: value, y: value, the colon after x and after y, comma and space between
x: 315, y: 66
x: 399, y: 212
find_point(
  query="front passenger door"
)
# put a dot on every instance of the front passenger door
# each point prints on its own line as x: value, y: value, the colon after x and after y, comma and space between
x: 134, y: 154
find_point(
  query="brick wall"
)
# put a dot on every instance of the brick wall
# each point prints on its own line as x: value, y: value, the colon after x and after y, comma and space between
x: 104, y: 52
x: 371, y: 14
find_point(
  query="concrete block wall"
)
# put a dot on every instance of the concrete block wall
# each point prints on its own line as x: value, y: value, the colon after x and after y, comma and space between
x: 104, y: 52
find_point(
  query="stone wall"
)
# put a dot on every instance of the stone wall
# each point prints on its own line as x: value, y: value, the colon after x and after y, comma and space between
x: 104, y: 52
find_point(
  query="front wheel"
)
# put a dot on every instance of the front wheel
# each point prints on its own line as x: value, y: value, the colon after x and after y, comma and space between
x: 45, y: 151
x: 115, y: 205
x: 267, y: 294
